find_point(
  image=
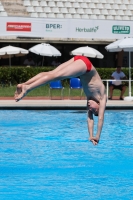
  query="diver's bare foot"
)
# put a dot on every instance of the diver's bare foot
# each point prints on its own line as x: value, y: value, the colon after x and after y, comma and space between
x: 24, y: 91
x: 18, y: 90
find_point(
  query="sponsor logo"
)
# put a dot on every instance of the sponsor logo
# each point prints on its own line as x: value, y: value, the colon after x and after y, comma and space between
x: 18, y: 26
x: 93, y: 29
x: 116, y: 29
x: 51, y: 27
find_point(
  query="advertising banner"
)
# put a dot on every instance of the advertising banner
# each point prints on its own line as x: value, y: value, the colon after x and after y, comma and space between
x: 66, y: 28
x: 101, y: 29
x: 18, y: 26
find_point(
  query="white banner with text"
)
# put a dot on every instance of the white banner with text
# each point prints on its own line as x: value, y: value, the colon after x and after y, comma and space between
x: 65, y: 28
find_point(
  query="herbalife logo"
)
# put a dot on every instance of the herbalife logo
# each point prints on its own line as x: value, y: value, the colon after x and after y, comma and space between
x: 51, y: 27
x: 120, y: 29
x: 93, y: 29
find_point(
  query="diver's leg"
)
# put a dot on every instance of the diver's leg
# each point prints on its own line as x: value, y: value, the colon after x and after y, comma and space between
x: 74, y: 69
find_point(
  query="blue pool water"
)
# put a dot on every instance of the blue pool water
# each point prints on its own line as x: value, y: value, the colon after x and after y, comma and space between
x: 46, y: 155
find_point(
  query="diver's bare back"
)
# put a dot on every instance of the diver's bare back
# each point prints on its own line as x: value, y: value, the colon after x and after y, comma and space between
x: 92, y: 85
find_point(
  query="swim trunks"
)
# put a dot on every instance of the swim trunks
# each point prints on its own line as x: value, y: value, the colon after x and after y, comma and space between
x: 85, y: 60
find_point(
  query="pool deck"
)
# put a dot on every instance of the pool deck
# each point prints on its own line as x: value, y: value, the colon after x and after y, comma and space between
x: 47, y: 104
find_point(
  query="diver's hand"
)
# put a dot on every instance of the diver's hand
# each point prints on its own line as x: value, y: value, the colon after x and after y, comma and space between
x: 94, y: 140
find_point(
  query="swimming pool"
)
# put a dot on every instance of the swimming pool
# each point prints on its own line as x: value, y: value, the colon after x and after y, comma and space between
x: 46, y: 155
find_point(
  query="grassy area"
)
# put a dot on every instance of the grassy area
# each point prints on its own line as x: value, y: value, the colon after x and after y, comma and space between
x: 43, y: 91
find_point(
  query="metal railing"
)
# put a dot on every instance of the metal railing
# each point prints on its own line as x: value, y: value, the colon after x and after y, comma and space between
x: 111, y: 80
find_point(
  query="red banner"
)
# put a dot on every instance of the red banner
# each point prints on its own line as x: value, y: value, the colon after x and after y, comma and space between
x: 18, y: 26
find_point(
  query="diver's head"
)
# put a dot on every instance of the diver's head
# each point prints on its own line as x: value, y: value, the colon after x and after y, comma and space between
x: 93, y: 106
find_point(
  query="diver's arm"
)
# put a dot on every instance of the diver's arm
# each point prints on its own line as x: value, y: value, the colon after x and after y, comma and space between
x: 90, y: 123
x: 91, y: 127
x: 95, y: 139
x: 101, y: 116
